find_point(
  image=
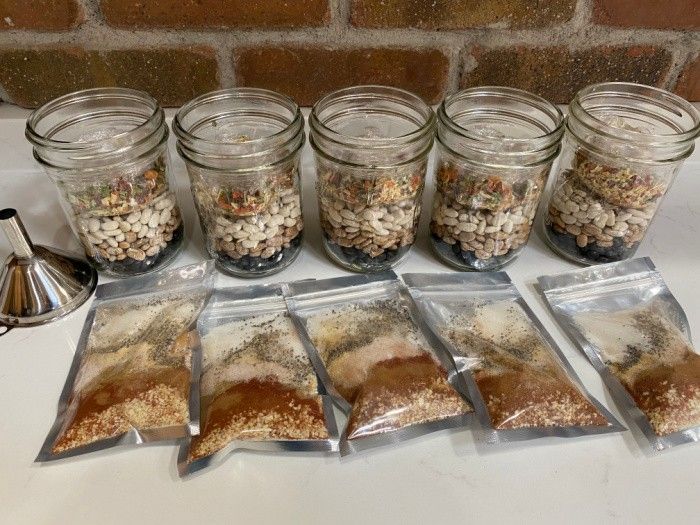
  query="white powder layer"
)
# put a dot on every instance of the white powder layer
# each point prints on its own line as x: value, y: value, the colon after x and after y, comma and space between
x: 256, y: 347
x: 331, y: 330
x: 499, y: 320
x: 507, y: 330
x: 125, y: 331
x: 114, y: 326
x: 613, y: 333
x: 336, y: 326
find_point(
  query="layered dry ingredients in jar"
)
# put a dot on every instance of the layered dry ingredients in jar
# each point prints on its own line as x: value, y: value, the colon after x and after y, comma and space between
x: 482, y: 222
x: 253, y: 228
x: 625, y: 143
x: 241, y: 147
x: 653, y: 360
x: 371, y: 145
x: 135, y: 371
x: 257, y: 384
x: 495, y: 149
x: 106, y: 150
x: 521, y: 381
x: 129, y: 224
x: 372, y: 221
x: 602, y: 212
x: 380, y: 363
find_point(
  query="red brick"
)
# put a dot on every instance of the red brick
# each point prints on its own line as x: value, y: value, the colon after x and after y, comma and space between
x: 40, y: 15
x: 460, y: 14
x: 666, y: 14
x: 557, y: 73
x: 307, y: 73
x: 688, y: 85
x: 199, y: 14
x: 174, y: 75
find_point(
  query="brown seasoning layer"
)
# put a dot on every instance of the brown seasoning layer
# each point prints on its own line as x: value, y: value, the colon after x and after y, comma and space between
x: 669, y: 395
x: 120, y: 399
x: 526, y: 399
x: 522, y: 384
x: 257, y: 410
x: 402, y: 392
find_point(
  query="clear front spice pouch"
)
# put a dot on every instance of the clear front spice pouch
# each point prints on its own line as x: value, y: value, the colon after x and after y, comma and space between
x: 634, y: 332
x: 363, y: 337
x: 257, y: 389
x: 521, y: 384
x: 130, y: 378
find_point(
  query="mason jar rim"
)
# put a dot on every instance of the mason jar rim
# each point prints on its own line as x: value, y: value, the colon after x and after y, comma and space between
x: 155, y: 119
x: 182, y: 151
x: 239, y: 93
x: 370, y: 168
x: 506, y: 92
x: 640, y: 92
x: 549, y: 158
x: 378, y: 92
x: 125, y: 164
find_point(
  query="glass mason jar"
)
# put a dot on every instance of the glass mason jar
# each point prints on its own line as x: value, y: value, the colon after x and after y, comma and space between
x: 371, y: 147
x: 242, y: 149
x: 495, y: 149
x: 623, y: 146
x: 106, y: 151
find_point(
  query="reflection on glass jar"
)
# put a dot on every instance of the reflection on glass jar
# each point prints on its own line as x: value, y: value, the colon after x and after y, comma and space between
x: 371, y: 146
x: 106, y: 151
x: 242, y: 148
x: 623, y: 147
x: 495, y: 149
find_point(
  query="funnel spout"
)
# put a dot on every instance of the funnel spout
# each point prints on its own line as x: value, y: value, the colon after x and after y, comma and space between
x: 16, y: 234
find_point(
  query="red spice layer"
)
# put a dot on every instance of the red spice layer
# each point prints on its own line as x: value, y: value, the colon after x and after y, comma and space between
x: 401, y: 392
x: 122, y: 401
x: 257, y: 410
x: 669, y: 395
x: 527, y: 399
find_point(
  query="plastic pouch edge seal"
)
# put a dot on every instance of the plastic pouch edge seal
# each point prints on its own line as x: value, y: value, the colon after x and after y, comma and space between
x: 261, y: 295
x: 167, y: 281
x: 499, y: 284
x: 559, y: 289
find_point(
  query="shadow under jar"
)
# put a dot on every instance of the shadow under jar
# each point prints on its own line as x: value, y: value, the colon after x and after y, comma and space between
x: 623, y: 146
x: 371, y: 148
x: 495, y: 148
x: 242, y: 150
x: 106, y: 151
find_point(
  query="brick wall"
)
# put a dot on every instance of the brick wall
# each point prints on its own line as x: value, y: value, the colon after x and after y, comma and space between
x: 176, y: 49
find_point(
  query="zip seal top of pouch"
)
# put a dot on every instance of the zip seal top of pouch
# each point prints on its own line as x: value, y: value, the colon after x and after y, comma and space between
x: 256, y: 388
x: 521, y: 384
x: 129, y: 382
x: 637, y: 336
x: 364, y: 335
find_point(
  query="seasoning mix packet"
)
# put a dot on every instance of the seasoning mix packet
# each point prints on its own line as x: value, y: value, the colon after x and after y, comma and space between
x: 520, y: 382
x: 257, y: 389
x: 634, y: 332
x: 362, y: 334
x: 130, y: 378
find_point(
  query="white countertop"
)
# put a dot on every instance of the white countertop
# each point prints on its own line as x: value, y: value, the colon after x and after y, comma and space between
x: 439, y: 478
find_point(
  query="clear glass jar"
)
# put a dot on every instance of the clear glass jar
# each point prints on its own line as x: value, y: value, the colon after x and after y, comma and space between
x: 106, y: 151
x: 623, y: 146
x: 242, y: 149
x: 495, y: 149
x: 371, y: 147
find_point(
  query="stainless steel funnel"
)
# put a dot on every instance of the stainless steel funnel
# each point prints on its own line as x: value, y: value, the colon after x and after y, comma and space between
x: 39, y: 284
